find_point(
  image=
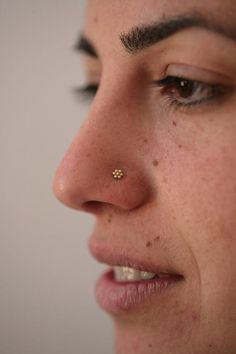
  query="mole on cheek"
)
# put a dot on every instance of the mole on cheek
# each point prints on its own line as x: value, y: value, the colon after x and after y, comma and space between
x: 149, y: 345
x: 148, y: 244
x: 156, y: 239
x: 163, y: 17
x: 155, y: 163
x: 174, y: 123
x: 194, y: 317
x: 95, y: 20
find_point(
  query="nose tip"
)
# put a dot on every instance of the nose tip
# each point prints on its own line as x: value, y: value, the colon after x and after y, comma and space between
x: 84, y: 180
x: 84, y: 187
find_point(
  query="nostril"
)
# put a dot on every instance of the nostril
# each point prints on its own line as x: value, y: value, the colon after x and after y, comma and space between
x: 93, y: 206
x: 98, y: 207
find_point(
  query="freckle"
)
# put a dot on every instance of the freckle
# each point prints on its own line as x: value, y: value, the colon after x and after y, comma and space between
x: 109, y: 218
x: 156, y: 239
x: 148, y: 244
x: 174, y: 123
x: 95, y: 19
x: 149, y: 345
x: 155, y: 163
x: 210, y: 345
x: 145, y: 140
x: 180, y: 146
x: 165, y: 180
x: 194, y: 316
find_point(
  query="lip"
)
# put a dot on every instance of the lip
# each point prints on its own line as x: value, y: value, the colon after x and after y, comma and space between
x: 119, y: 297
x: 113, y: 256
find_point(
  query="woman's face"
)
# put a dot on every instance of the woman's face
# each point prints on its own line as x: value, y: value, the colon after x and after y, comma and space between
x: 164, y: 113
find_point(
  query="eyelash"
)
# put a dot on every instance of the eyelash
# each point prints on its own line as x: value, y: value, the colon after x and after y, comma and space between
x: 87, y: 91
x: 170, y: 87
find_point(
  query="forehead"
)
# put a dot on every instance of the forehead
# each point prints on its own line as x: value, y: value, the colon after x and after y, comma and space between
x: 108, y: 18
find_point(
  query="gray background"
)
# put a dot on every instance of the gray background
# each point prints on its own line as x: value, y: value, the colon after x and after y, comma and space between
x: 47, y: 276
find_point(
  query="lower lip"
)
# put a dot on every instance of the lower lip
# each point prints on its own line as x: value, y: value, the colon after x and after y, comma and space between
x: 117, y: 297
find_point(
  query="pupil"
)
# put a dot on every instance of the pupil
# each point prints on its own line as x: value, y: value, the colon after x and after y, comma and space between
x: 186, y: 88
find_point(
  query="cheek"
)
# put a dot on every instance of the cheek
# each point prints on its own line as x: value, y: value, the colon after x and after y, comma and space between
x: 206, y: 189
x: 203, y: 193
x: 201, y: 175
x: 205, y: 196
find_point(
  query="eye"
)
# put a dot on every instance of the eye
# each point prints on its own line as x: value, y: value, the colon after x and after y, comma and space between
x: 185, y: 93
x: 86, y: 92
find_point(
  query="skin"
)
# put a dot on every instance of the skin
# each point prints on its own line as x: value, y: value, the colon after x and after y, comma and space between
x: 177, y: 202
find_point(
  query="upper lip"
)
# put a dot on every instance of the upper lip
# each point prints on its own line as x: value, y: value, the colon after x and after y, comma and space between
x: 109, y: 255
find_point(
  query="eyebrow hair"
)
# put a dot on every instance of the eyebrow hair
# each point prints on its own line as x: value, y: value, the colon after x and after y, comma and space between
x: 144, y: 36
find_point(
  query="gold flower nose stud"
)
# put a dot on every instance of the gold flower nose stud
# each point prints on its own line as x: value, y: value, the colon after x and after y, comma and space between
x: 118, y: 174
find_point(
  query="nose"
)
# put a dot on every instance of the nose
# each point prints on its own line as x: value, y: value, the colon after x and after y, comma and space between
x: 84, y: 179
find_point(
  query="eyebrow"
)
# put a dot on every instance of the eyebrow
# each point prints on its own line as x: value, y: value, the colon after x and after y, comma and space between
x: 144, y: 36
x: 85, y: 46
x: 141, y: 37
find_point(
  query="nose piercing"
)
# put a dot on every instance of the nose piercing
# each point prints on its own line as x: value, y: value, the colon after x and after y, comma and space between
x: 118, y: 174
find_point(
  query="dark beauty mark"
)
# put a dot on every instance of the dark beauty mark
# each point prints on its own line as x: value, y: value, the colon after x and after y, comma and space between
x: 148, y: 244
x: 157, y: 238
x: 155, y: 163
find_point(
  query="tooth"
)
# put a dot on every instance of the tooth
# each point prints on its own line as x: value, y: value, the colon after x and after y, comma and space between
x: 118, y: 273
x: 131, y: 274
x: 147, y: 275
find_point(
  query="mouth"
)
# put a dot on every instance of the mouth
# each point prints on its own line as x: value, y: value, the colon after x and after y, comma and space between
x: 127, y: 274
x: 127, y: 286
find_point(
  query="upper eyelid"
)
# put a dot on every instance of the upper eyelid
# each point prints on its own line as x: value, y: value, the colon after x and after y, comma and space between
x: 171, y: 79
x: 199, y: 74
